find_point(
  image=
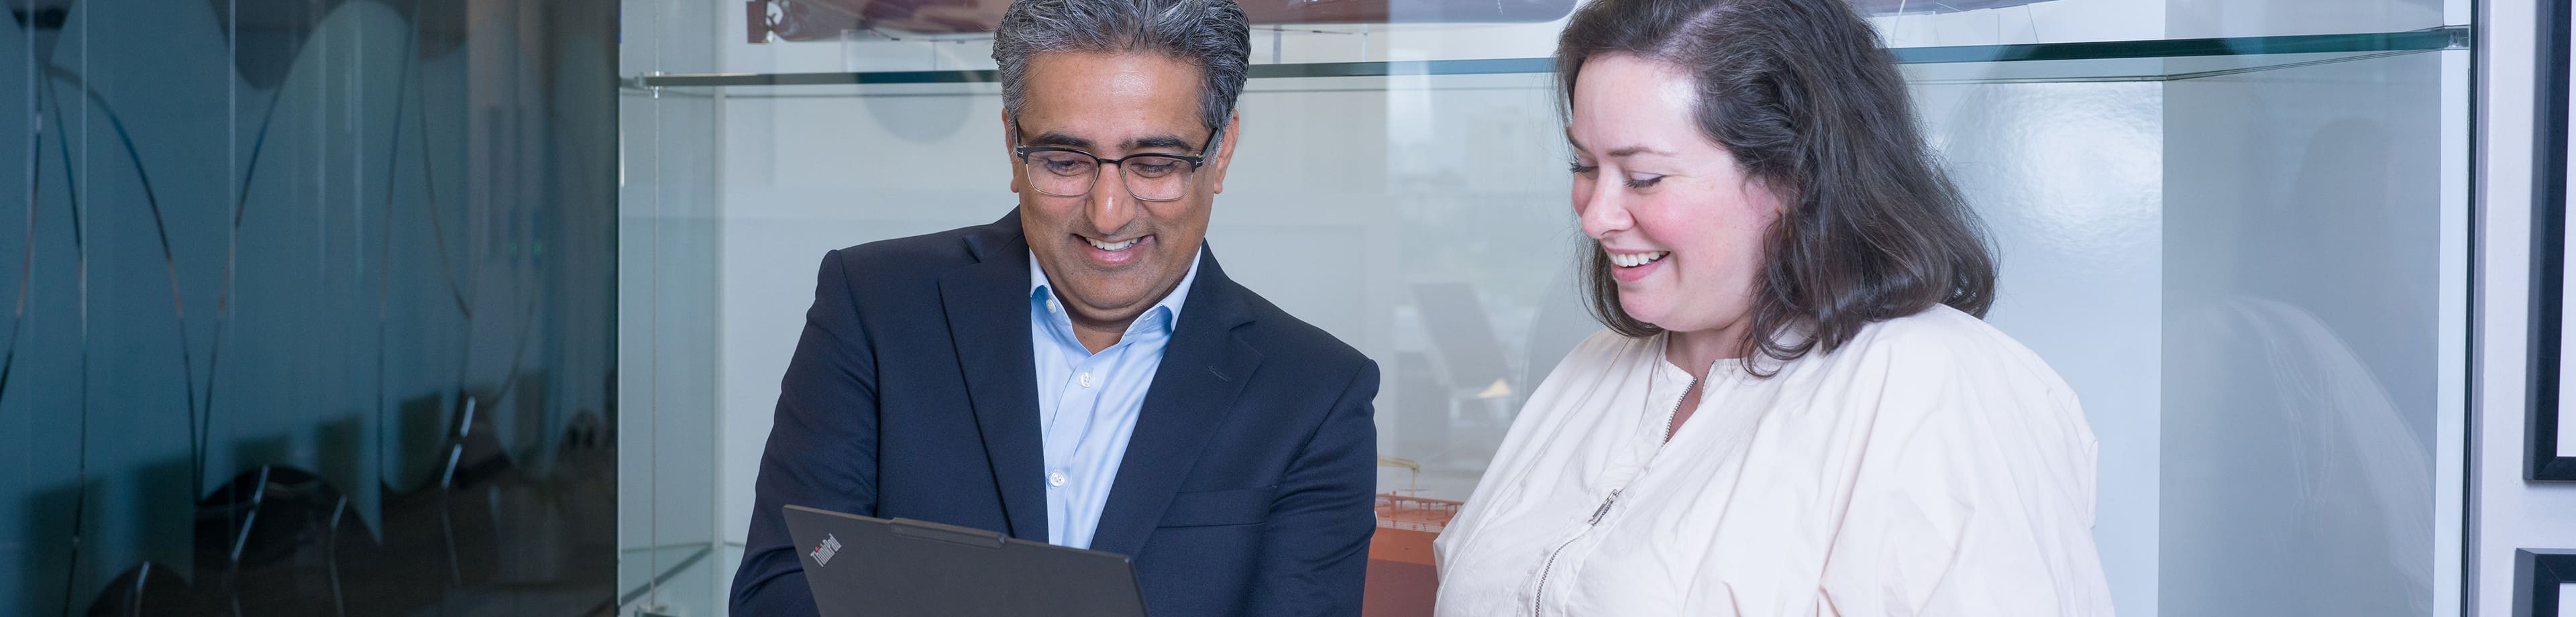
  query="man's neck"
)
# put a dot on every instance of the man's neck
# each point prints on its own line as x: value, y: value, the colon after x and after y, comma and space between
x: 1096, y: 338
x: 1098, y: 334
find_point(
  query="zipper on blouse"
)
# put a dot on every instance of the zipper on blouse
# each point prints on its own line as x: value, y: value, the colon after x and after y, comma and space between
x: 1676, y: 410
x: 1604, y: 510
x: 1538, y: 601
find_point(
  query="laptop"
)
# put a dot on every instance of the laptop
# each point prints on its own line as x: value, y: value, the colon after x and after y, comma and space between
x: 860, y: 565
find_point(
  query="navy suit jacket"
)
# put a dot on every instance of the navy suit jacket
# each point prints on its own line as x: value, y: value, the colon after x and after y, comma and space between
x: 1247, y: 488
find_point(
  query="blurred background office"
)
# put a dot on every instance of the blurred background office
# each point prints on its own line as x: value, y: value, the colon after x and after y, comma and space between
x: 371, y: 307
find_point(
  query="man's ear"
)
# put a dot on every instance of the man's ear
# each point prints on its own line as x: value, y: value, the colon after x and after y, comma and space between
x: 1225, y: 149
x: 1019, y: 173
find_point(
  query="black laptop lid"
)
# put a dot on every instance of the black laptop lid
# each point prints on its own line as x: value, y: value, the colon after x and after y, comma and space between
x: 875, y: 567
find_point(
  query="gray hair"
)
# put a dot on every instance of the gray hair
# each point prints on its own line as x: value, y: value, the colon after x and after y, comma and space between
x: 1213, y: 34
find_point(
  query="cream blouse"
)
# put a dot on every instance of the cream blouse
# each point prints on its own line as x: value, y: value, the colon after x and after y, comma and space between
x: 1932, y: 466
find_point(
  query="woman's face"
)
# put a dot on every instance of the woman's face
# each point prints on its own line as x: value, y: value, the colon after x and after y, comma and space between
x: 1683, y: 225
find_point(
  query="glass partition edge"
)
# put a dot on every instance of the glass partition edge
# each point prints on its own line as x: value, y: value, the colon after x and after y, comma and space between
x: 2443, y: 38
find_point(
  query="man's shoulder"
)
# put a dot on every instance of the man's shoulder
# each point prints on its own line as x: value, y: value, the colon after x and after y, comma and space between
x: 911, y: 259
x: 930, y: 249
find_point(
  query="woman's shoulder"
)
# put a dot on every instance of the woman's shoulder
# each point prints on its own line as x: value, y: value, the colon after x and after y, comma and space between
x: 1941, y: 325
x: 1943, y: 343
x: 1604, y: 359
x: 1604, y: 351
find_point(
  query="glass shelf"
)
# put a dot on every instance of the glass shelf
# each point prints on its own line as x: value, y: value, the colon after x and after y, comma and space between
x: 2149, y: 60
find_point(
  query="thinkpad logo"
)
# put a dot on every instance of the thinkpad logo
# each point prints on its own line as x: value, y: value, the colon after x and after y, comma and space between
x: 823, y: 554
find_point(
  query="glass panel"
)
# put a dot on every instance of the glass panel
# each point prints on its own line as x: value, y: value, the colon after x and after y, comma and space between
x: 2305, y: 237
x: 1904, y: 24
x: 2126, y: 69
x: 309, y: 308
x: 1937, y: 22
x: 2138, y: 60
x: 2243, y: 254
x: 667, y: 305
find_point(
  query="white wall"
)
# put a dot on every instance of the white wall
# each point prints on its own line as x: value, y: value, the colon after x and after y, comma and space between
x: 2508, y: 512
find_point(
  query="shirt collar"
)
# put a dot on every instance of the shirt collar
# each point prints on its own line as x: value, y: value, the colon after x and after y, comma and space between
x: 1165, y: 315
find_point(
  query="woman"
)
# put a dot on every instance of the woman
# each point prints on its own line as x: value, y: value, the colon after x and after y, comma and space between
x: 1795, y: 409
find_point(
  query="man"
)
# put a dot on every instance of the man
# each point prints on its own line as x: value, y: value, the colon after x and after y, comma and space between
x: 1081, y: 371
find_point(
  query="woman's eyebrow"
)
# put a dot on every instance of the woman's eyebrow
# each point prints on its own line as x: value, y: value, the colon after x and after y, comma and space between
x: 1636, y: 150
x: 1621, y: 152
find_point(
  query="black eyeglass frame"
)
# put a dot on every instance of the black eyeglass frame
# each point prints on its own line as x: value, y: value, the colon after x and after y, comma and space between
x: 1195, y: 161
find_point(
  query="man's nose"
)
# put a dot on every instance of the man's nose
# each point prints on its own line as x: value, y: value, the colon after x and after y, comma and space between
x: 1109, y: 206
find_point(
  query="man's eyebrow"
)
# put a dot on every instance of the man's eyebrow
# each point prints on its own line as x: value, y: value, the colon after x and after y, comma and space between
x: 1164, y: 142
x: 1059, y: 140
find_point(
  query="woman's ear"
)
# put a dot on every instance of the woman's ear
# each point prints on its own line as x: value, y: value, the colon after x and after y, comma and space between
x: 1759, y: 190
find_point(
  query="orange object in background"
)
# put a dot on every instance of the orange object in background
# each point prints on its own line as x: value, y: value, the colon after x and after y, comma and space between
x: 1401, y: 577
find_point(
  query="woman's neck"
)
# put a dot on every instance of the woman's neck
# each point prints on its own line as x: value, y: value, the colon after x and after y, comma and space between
x: 1696, y: 351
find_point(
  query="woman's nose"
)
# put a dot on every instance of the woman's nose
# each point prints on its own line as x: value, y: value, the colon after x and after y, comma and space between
x: 1603, y: 210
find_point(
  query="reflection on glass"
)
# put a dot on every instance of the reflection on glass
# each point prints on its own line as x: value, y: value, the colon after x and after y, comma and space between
x: 310, y: 312
x: 2301, y: 351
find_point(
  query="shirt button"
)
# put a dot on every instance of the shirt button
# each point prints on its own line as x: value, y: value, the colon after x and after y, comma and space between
x: 1051, y: 305
x: 1086, y: 379
x: 1055, y: 478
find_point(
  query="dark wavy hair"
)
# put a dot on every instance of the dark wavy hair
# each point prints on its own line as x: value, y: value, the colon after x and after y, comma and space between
x: 1809, y: 102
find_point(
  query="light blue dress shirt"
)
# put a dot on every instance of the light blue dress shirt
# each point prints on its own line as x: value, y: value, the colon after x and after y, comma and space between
x: 1087, y: 402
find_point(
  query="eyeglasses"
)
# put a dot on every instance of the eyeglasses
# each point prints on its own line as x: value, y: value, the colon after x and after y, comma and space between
x: 1149, y: 176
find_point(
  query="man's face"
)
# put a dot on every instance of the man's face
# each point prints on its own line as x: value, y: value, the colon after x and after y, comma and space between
x: 1109, y: 254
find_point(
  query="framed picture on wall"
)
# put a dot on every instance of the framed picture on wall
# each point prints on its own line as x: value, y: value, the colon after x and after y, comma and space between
x: 2550, y: 431
x: 2544, y: 583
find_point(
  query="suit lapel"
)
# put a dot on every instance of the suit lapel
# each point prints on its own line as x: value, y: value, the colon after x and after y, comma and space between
x: 988, y: 321
x: 1204, y: 367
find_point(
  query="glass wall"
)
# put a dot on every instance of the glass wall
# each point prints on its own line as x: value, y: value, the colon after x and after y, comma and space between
x: 2237, y: 229
x: 308, y: 307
